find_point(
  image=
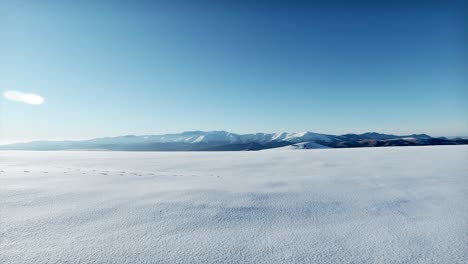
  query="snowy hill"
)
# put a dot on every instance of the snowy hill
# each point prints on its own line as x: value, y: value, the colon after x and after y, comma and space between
x: 302, y: 145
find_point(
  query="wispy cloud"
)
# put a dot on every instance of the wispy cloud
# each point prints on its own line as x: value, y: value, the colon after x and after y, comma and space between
x: 27, y: 98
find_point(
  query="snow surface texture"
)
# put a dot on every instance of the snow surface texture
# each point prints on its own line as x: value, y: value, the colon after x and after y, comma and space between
x: 369, y: 205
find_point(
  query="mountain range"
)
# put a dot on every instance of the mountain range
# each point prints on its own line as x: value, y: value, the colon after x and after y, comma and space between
x: 226, y: 141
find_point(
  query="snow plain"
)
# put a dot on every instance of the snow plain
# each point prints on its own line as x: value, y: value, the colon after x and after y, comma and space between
x: 367, y: 205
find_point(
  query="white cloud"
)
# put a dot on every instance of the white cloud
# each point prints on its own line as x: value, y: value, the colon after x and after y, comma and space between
x: 27, y: 98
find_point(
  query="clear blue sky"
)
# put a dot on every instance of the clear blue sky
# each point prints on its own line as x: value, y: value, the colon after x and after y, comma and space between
x: 109, y: 68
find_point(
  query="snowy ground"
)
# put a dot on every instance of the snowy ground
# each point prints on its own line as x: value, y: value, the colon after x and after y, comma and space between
x: 369, y: 205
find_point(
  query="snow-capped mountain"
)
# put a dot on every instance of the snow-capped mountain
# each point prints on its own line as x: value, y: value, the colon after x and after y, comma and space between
x: 223, y: 140
x: 216, y: 136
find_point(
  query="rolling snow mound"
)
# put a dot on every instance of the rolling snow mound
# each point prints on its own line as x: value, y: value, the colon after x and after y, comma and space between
x: 302, y: 145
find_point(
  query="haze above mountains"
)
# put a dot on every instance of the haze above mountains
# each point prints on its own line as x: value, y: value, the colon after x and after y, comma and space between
x: 226, y: 141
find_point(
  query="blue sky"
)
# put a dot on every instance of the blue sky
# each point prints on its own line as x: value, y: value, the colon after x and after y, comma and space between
x: 108, y: 68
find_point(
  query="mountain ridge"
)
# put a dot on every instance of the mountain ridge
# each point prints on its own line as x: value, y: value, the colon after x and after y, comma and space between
x: 219, y: 140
